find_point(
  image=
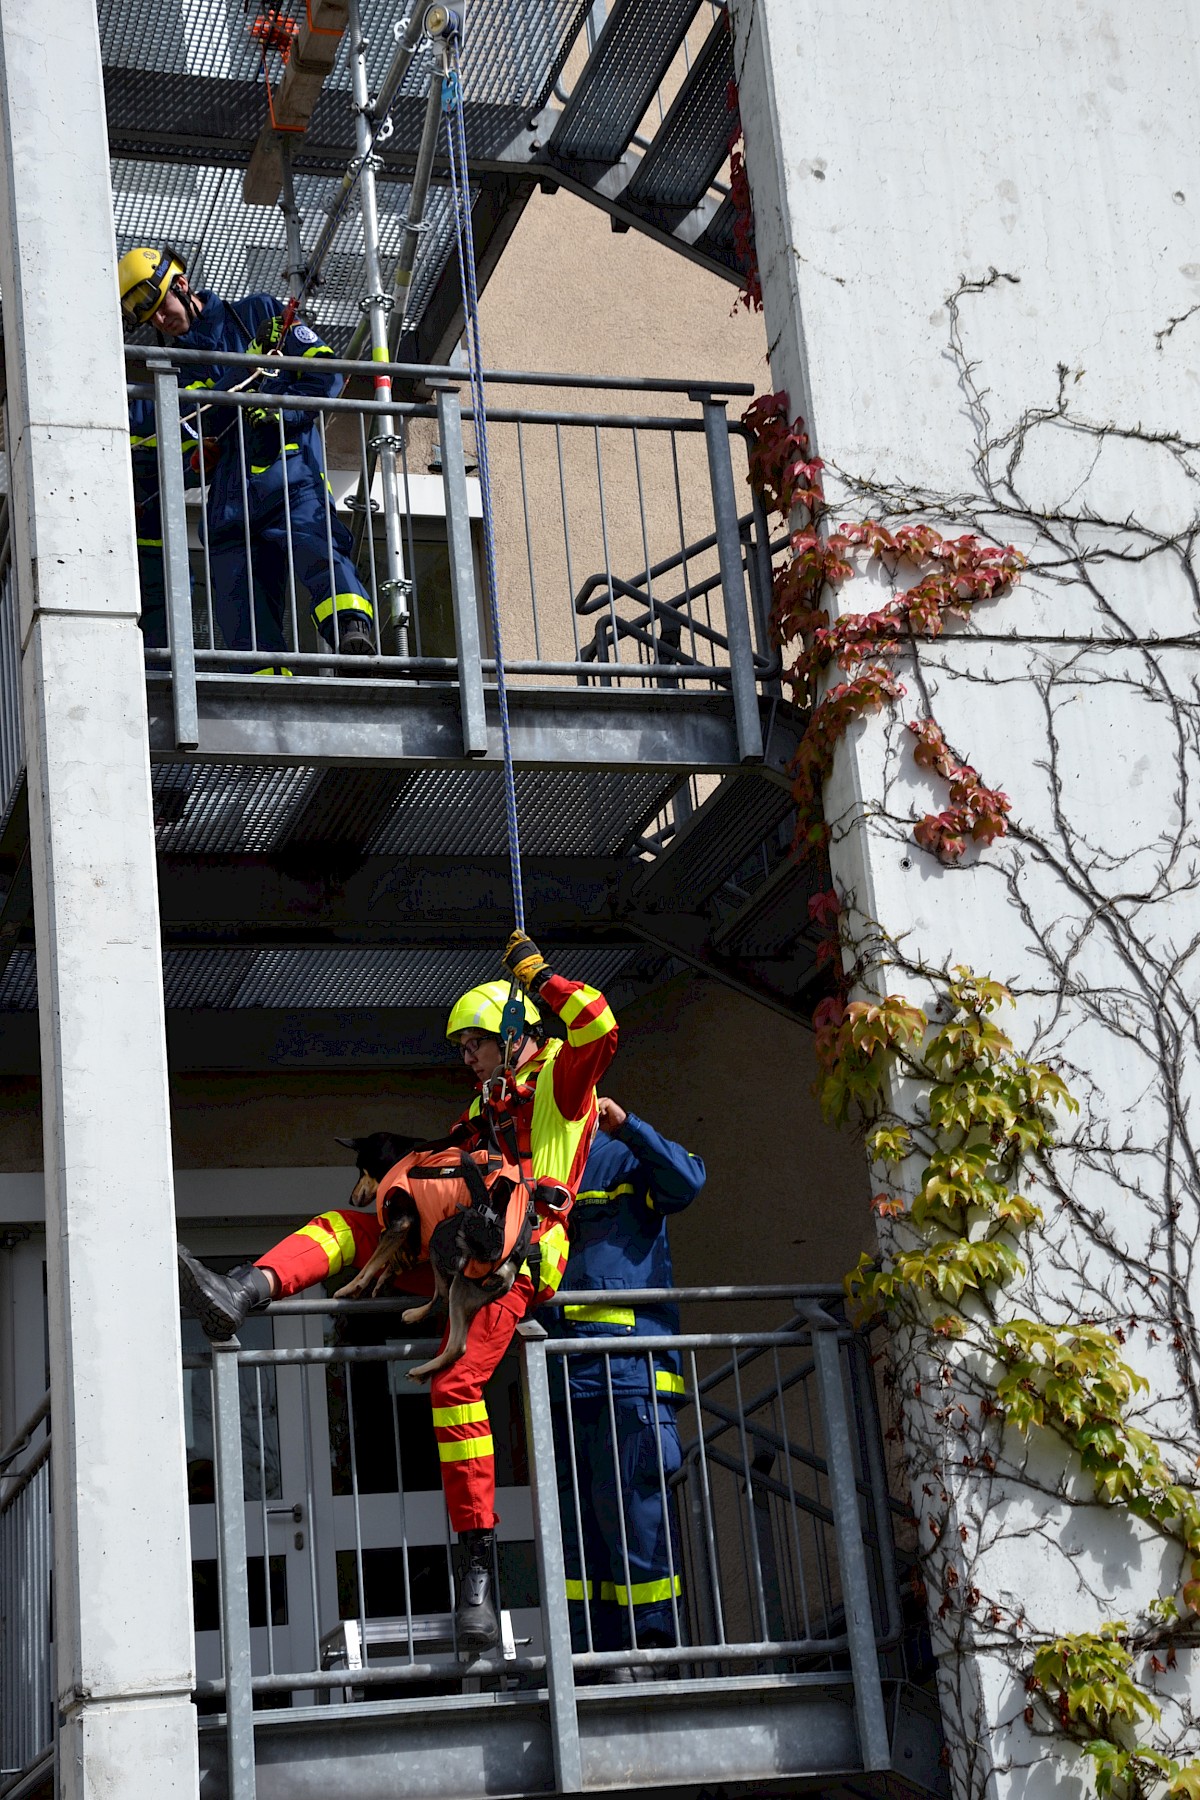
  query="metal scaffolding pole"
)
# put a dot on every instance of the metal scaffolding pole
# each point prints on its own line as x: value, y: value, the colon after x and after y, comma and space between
x: 406, y: 49
x: 292, y: 222
x: 414, y: 224
x: 122, y: 1580
x: 385, y: 440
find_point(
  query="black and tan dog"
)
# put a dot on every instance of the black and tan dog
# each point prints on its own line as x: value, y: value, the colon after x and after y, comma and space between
x: 437, y: 1205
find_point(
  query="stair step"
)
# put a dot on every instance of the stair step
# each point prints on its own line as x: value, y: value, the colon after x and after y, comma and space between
x: 631, y: 56
x: 692, y: 142
x: 720, y: 835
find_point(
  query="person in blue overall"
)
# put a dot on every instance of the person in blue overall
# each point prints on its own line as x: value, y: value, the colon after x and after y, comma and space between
x: 148, y: 516
x: 282, y: 507
x: 635, y: 1179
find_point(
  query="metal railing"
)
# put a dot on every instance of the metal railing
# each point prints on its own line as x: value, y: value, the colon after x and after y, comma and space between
x: 626, y: 558
x: 777, y: 1557
x: 26, y: 1651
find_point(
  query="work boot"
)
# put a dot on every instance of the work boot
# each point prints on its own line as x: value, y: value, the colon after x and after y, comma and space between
x: 355, y: 637
x: 221, y: 1302
x: 475, y: 1623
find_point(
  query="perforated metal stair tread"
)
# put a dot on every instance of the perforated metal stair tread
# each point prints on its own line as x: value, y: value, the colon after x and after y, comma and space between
x: 237, y: 808
x: 185, y: 103
x: 692, y: 142
x: 632, y: 54
x: 298, y: 980
x: 731, y: 824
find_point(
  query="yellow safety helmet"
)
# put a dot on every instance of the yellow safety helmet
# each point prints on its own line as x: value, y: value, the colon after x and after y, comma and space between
x: 482, y: 1007
x: 145, y: 276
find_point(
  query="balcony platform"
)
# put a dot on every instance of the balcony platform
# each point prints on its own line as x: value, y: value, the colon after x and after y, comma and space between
x: 785, y: 1734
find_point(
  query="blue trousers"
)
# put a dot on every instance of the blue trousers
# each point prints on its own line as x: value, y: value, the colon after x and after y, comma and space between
x: 321, y: 558
x: 153, y: 584
x: 598, y: 1584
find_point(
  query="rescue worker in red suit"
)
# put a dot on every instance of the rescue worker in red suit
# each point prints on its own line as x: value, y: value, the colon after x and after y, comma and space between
x: 553, y: 1105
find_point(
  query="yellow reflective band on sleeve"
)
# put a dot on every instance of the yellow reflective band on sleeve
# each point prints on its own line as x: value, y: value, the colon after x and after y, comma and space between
x: 603, y: 1315
x: 324, y: 609
x: 147, y: 443
x: 642, y: 1593
x: 667, y: 1382
x: 593, y: 1196
x: 261, y: 468
x: 471, y: 1414
x: 205, y: 381
x: 149, y: 543
x: 597, y: 1028
x: 465, y: 1449
x: 574, y: 1003
x: 319, y: 350
x: 331, y: 1232
x: 578, y: 1590
x: 271, y: 671
x: 552, y: 1266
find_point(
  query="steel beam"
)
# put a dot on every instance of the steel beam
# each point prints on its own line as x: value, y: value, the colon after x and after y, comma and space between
x: 235, y: 1590
x: 874, y: 1747
x: 551, y: 1562
x: 376, y: 721
x: 122, y: 1582
x: 465, y: 597
x: 176, y: 573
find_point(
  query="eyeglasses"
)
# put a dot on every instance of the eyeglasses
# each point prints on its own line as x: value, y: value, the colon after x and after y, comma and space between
x: 468, y: 1046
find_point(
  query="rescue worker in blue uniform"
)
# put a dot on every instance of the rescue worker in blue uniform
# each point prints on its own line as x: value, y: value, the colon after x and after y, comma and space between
x: 148, y: 516
x: 635, y: 1179
x: 284, y: 499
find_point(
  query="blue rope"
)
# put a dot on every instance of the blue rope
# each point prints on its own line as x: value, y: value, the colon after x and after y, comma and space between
x: 456, y: 137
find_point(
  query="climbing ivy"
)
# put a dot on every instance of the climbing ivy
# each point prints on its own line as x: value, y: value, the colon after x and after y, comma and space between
x: 961, y: 1129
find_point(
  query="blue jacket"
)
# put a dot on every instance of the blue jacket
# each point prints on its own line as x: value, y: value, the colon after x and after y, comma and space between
x: 239, y: 327
x: 632, y: 1183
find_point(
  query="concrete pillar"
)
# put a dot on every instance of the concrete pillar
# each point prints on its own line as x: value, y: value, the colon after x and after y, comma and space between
x: 122, y: 1580
x: 978, y: 232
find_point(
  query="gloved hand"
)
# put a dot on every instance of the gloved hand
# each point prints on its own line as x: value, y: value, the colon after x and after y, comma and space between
x: 525, y: 962
x: 269, y: 334
x: 204, y: 465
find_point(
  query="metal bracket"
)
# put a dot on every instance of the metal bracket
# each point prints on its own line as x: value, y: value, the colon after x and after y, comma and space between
x: 386, y: 301
x: 399, y: 593
x: 387, y: 440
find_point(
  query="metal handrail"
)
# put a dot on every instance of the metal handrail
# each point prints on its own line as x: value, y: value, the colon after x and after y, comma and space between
x: 838, y: 1624
x: 446, y: 374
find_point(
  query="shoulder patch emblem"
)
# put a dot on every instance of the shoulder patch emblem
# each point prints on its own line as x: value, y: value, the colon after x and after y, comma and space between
x: 305, y: 334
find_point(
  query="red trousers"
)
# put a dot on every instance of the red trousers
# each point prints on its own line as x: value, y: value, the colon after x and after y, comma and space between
x: 334, y: 1241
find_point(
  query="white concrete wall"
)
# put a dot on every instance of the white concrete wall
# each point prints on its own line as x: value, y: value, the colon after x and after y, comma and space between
x: 896, y: 151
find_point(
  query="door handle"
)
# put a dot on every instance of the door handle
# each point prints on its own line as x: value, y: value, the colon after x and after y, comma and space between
x: 295, y: 1512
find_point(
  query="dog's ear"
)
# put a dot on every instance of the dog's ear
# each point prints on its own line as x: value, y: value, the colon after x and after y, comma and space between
x: 348, y: 1143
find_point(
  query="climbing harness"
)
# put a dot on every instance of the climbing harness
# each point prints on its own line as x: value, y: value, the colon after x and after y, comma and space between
x: 513, y: 1019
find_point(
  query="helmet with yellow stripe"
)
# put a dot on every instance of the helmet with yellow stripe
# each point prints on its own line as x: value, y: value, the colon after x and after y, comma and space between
x: 482, y: 1008
x: 145, y: 276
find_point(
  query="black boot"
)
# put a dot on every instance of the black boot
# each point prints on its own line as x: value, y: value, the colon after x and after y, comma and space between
x: 221, y: 1302
x: 475, y: 1621
x: 355, y: 637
